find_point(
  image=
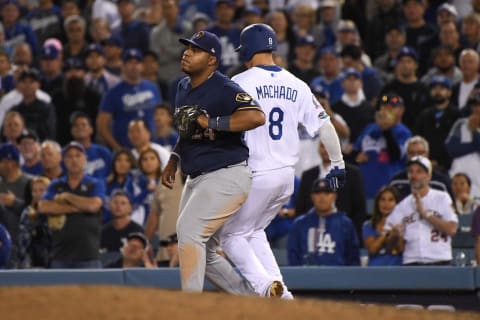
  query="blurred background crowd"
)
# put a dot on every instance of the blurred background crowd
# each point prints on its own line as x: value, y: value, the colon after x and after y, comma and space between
x: 91, y: 83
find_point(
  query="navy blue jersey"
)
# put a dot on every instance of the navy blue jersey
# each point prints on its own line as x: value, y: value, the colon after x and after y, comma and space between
x: 219, y: 96
x: 330, y: 240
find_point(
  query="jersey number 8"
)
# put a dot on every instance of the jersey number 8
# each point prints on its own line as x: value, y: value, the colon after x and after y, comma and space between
x: 275, y: 118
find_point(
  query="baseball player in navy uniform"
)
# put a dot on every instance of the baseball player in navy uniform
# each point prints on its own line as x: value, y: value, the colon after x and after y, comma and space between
x: 274, y: 150
x: 215, y: 161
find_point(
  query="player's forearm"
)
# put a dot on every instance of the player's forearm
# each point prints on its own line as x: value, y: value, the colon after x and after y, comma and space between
x: 88, y: 204
x: 447, y: 227
x: 329, y: 138
x: 52, y: 207
x: 241, y: 120
x: 152, y: 224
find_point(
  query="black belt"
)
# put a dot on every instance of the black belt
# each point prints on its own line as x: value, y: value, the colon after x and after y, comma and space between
x: 194, y: 175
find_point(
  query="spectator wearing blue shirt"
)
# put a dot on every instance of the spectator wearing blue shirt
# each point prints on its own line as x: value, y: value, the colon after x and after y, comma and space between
x: 135, y: 33
x: 374, y: 238
x: 16, y: 32
x: 227, y: 32
x: 99, y: 158
x: 132, y: 98
x: 323, y: 236
x: 79, y: 198
x: 45, y: 20
x: 331, y: 78
x: 381, y: 145
x: 7, y: 82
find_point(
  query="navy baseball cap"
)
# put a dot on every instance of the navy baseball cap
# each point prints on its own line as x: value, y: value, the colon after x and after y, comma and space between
x: 351, y: 72
x: 94, y: 47
x: 407, y: 52
x: 419, y: 1
x: 229, y: 2
x: 30, y: 73
x: 27, y: 133
x: 132, y: 54
x: 441, y: 81
x: 206, y: 41
x: 328, y: 50
x: 170, y: 240
x: 306, y: 40
x: 114, y: 40
x: 321, y: 185
x: 391, y: 99
x: 9, y: 151
x: 49, y: 52
x: 140, y: 236
x: 74, y: 63
x: 7, y: 2
x: 76, y: 145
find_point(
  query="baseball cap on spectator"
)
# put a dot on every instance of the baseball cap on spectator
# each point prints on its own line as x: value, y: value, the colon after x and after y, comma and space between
x: 7, y: 2
x: 30, y: 73
x: 449, y: 8
x: 74, y: 63
x: 328, y: 3
x: 328, y: 50
x: 132, y: 53
x: 54, y: 42
x: 206, y: 41
x: 229, y: 2
x: 114, y: 40
x: 321, y: 185
x: 170, y: 240
x: 200, y: 16
x: 397, y: 27
x: 94, y: 47
x: 351, y: 72
x: 407, y: 52
x: 441, y: 81
x: 422, y: 161
x: 49, y: 52
x: 320, y: 91
x: 346, y: 26
x: 306, y: 40
x: 391, y: 99
x: 9, y: 151
x: 253, y: 10
x: 74, y: 145
x: 140, y: 236
x: 27, y: 133
x: 419, y: 1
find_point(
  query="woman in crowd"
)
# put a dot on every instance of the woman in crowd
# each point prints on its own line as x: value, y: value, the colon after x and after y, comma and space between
x: 373, y: 235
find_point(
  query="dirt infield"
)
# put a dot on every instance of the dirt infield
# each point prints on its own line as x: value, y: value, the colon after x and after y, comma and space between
x: 105, y: 303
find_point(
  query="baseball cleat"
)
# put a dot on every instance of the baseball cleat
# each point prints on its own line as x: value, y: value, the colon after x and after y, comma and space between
x: 275, y: 290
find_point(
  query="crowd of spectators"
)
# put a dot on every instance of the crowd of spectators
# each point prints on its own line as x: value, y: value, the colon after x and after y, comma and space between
x: 87, y: 90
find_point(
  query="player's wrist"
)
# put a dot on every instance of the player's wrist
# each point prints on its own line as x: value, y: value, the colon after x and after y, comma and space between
x: 338, y: 163
x: 219, y: 123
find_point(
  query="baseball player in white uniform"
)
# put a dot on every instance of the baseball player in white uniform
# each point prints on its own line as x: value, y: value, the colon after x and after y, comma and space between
x: 425, y: 219
x: 286, y: 102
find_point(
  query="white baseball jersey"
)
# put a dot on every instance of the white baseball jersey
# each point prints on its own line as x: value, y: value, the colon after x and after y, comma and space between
x: 424, y: 243
x: 287, y: 102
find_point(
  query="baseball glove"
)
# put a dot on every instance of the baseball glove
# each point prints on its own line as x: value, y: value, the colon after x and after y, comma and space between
x: 186, y: 121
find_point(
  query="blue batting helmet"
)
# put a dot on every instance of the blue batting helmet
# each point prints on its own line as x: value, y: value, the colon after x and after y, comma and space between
x: 256, y: 38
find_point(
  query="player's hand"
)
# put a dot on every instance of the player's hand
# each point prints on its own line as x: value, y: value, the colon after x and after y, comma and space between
x: 336, y: 177
x: 168, y: 174
x: 202, y: 121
